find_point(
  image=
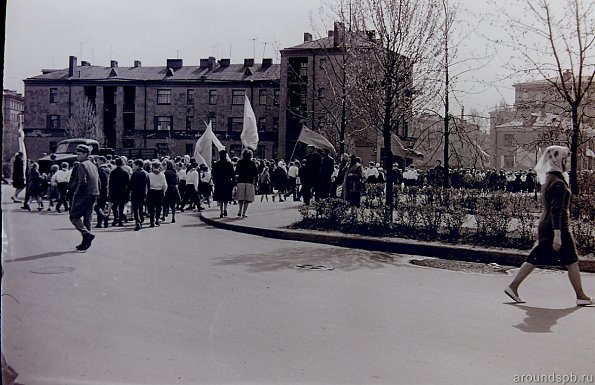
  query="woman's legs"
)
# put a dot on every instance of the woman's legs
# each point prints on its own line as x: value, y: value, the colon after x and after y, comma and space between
x: 524, y: 271
x: 574, y: 276
x: 240, y: 207
x: 245, y: 208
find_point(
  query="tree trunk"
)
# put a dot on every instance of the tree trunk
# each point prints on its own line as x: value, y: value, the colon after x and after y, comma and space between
x: 574, y: 151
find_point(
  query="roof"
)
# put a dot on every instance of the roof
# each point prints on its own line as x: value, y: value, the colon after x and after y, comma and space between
x: 233, y: 72
x: 355, y: 39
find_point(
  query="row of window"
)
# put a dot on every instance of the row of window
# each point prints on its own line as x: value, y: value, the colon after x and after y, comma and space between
x: 14, y: 106
x: 166, y: 123
x: 237, y: 96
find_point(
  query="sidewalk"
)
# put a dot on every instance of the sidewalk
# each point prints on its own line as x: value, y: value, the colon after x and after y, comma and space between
x: 271, y: 219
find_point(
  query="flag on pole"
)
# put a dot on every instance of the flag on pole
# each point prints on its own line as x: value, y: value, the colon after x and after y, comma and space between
x: 249, y: 134
x: 22, y: 148
x: 398, y: 149
x: 315, y: 139
x: 203, y: 150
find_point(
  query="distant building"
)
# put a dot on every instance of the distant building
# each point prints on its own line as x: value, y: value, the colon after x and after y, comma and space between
x: 163, y: 107
x: 13, y: 105
x: 538, y: 118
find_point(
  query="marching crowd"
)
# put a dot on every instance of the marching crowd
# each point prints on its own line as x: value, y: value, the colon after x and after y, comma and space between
x: 159, y: 188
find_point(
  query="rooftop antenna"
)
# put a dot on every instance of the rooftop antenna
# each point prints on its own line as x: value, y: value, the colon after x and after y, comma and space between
x: 254, y: 47
x: 111, y: 52
x: 177, y: 54
x: 264, y: 49
x: 230, y: 51
x: 81, y: 50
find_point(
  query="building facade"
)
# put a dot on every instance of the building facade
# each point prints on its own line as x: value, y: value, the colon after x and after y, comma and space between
x: 164, y: 107
x: 539, y: 118
x: 13, y: 105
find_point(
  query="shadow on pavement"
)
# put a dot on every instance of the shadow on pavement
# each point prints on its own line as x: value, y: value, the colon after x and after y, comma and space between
x: 541, y: 320
x: 51, y: 254
x: 281, y: 259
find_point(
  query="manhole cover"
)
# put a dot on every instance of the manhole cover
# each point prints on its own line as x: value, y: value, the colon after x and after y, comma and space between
x: 315, y: 267
x: 53, y: 270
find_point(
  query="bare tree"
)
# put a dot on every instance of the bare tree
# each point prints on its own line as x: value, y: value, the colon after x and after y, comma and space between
x: 555, y: 41
x: 406, y: 38
x: 82, y: 122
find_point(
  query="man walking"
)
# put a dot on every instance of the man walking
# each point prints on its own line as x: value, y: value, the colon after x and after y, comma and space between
x: 86, y: 190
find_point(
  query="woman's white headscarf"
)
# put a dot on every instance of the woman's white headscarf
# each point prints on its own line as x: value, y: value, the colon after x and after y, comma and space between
x: 551, y: 160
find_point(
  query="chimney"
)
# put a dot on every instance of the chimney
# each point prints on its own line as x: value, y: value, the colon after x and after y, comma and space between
x: 85, y: 63
x: 331, y: 33
x: 113, y: 64
x: 307, y: 37
x: 137, y: 63
x: 174, y: 64
x: 211, y: 63
x: 339, y: 33
x: 204, y: 63
x: 267, y: 62
x: 224, y: 62
x: 71, y: 65
x: 248, y: 62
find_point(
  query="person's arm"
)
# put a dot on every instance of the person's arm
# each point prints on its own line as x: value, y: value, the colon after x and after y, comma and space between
x: 557, y: 193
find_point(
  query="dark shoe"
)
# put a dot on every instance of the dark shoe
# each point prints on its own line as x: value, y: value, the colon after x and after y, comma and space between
x: 157, y: 223
x: 86, y: 243
x: 173, y: 220
x: 137, y: 227
x: 58, y: 210
x: 239, y: 214
x: 114, y: 223
x: 152, y: 224
x: 224, y: 213
x: 220, y: 215
x: 120, y: 224
x: 105, y: 222
x: 39, y: 208
x: 200, y: 208
x: 98, y: 225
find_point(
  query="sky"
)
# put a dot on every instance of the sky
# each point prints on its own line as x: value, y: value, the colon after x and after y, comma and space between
x: 43, y: 34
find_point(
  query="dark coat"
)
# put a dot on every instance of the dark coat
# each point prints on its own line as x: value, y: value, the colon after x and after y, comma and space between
x: 172, y: 195
x: 279, y: 178
x: 139, y: 185
x: 119, y: 187
x: 555, y: 196
x: 18, y: 173
x: 224, y: 179
x: 104, y: 173
x: 246, y: 171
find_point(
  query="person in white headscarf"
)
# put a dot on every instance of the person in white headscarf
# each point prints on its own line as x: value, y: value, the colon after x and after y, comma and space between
x: 555, y: 244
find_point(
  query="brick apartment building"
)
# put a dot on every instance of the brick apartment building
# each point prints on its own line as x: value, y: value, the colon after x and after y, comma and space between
x: 13, y: 105
x: 538, y: 118
x: 163, y: 107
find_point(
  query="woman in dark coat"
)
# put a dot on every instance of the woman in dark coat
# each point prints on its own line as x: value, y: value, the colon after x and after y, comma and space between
x: 223, y: 176
x: 555, y: 245
x: 353, y: 185
x: 18, y: 176
x: 119, y: 192
x: 35, y: 187
x: 172, y: 194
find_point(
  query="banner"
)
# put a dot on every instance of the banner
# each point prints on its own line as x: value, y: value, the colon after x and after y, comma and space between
x: 398, y: 149
x: 203, y: 149
x: 22, y: 145
x: 249, y: 134
x: 315, y: 139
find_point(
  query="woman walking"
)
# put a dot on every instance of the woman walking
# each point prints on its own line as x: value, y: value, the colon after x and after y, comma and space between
x: 353, y: 185
x: 246, y: 173
x: 555, y: 244
x: 18, y: 176
x: 224, y: 181
x: 264, y: 183
x: 172, y: 195
x: 35, y: 187
x: 157, y: 188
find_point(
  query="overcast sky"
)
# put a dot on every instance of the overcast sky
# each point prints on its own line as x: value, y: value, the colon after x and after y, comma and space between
x: 43, y: 34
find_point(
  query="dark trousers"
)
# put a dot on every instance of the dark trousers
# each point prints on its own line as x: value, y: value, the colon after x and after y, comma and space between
x: 137, y: 208
x: 100, y: 209
x: 154, y: 202
x: 118, y: 210
x: 63, y: 191
x: 191, y: 195
x: 81, y: 213
x: 182, y: 190
x: 306, y: 191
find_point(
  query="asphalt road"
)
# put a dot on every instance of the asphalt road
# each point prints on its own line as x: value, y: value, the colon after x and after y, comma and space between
x: 190, y: 304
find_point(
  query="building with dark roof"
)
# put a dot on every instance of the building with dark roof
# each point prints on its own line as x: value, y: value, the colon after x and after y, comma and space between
x: 13, y: 105
x: 165, y: 107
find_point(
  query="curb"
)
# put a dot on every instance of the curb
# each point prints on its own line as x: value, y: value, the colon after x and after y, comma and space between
x: 510, y: 257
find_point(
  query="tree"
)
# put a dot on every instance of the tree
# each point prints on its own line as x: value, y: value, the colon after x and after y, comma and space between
x: 82, y: 122
x: 555, y: 41
x: 406, y: 38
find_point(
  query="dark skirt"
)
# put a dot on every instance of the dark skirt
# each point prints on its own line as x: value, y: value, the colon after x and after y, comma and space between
x: 172, y: 195
x: 544, y: 255
x: 223, y: 192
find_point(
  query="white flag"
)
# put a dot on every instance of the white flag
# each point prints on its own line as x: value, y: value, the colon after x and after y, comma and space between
x: 22, y: 141
x: 203, y: 149
x: 249, y: 134
x: 214, y: 138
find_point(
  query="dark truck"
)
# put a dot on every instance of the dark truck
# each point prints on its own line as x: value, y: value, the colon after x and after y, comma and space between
x: 66, y: 152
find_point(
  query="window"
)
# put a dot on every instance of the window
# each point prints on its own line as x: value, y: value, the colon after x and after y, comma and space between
x: 190, y: 97
x: 235, y: 150
x: 236, y: 124
x: 237, y: 97
x: 189, y: 149
x: 53, y: 95
x: 163, y: 96
x: 509, y: 161
x: 509, y: 139
x: 321, y: 93
x: 53, y: 122
x: 275, y: 123
x: 322, y: 63
x: 304, y: 69
x: 303, y: 99
x: 262, y: 124
x: 189, y: 123
x: 164, y: 123
x: 262, y: 97
x: 212, y: 97
x: 276, y: 97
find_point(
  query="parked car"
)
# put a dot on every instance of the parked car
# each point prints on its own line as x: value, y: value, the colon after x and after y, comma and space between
x: 66, y: 152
